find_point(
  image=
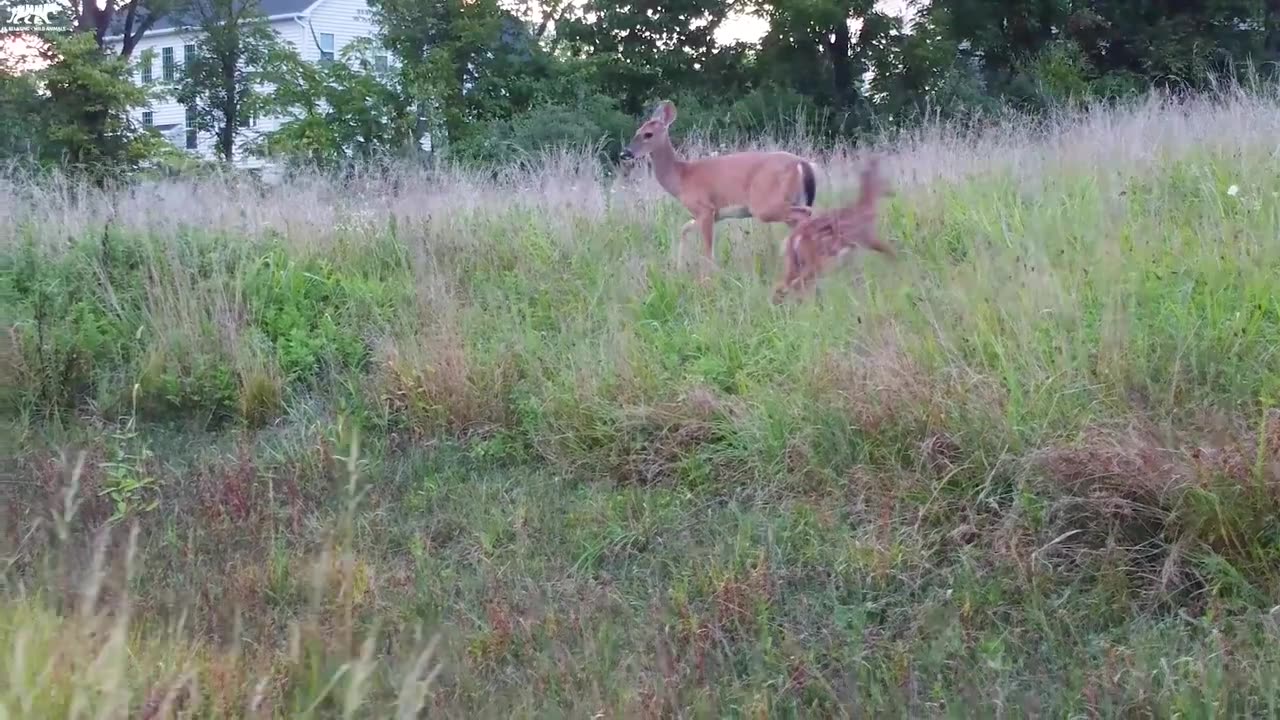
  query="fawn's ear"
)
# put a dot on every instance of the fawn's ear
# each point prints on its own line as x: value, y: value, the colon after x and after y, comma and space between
x: 665, y: 112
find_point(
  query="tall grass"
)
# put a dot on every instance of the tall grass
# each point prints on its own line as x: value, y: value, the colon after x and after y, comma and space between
x: 1038, y: 455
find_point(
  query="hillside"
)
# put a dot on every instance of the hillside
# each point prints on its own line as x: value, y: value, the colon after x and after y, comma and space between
x: 472, y: 443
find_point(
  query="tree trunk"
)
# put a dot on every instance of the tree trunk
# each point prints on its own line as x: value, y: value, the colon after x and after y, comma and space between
x: 841, y: 65
x: 226, y: 141
x: 231, y: 114
x: 98, y: 20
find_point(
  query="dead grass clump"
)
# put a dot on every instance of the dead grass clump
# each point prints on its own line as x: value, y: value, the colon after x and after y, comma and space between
x: 660, y: 456
x: 229, y: 494
x: 432, y: 385
x: 1133, y: 465
x: 738, y: 602
x: 880, y: 389
x: 261, y: 398
x: 660, y: 439
x: 68, y: 485
x: 1167, y: 502
x: 1130, y: 465
x: 889, y: 395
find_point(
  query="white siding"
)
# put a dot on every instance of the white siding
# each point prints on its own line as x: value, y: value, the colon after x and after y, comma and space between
x: 165, y: 111
x: 346, y: 20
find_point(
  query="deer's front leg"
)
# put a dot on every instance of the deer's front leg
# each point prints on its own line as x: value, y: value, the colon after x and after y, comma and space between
x: 706, y: 223
x: 681, y: 238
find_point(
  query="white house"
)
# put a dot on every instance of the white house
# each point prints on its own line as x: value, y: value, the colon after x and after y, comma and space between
x: 317, y: 29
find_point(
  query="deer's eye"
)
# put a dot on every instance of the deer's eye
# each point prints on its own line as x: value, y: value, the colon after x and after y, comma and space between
x: 648, y: 135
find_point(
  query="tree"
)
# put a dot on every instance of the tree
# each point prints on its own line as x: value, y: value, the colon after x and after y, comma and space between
x: 237, y: 58
x: 471, y: 59
x: 21, y: 127
x: 345, y: 111
x: 438, y: 44
x: 812, y: 43
x: 1023, y: 46
x: 85, y: 110
x: 1182, y: 40
x: 643, y: 49
x: 87, y: 91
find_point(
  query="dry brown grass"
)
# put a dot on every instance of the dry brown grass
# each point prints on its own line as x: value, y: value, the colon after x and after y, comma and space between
x: 314, y: 212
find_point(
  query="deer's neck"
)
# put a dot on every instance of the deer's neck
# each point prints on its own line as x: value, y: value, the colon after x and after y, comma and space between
x: 668, y: 168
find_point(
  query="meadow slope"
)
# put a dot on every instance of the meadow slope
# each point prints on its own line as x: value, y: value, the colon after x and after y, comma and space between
x: 472, y: 444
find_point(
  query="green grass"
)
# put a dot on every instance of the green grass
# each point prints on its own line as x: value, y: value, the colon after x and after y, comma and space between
x: 484, y: 450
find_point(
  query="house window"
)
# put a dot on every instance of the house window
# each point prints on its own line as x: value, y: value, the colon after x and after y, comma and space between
x: 380, y: 63
x: 148, y: 119
x: 146, y: 69
x: 326, y: 47
x: 188, y: 55
x: 191, y: 127
x: 166, y: 63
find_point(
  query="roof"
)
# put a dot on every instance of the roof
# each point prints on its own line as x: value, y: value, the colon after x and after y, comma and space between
x: 269, y: 8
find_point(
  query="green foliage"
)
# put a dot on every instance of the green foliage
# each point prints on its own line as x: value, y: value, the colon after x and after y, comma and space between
x: 77, y: 347
x: 65, y: 335
x: 311, y: 313
x: 129, y: 484
x: 639, y: 50
x: 1057, y: 77
x: 20, y: 121
x: 85, y: 112
x: 346, y: 112
x: 1038, y: 53
x: 593, y: 122
x: 484, y: 80
x: 184, y: 377
x: 455, y: 56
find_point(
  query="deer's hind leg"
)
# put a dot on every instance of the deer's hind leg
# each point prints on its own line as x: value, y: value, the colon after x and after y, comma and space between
x: 768, y: 203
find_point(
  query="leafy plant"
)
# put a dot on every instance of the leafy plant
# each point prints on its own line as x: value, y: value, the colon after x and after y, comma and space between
x: 131, y: 489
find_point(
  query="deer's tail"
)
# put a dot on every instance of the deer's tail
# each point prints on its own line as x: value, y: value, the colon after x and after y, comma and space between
x: 810, y: 183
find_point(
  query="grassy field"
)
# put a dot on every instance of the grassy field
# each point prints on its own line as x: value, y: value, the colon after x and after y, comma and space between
x: 471, y: 446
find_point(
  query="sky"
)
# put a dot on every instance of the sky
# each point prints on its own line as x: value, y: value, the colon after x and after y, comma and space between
x: 739, y: 27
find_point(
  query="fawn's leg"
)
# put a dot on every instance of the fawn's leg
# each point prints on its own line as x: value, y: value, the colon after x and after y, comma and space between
x: 798, y: 214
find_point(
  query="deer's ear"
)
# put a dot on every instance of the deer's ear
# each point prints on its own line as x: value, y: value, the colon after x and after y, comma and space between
x: 666, y: 112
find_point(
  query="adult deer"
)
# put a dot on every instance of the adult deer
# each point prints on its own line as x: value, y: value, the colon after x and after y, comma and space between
x: 768, y: 186
x: 819, y: 241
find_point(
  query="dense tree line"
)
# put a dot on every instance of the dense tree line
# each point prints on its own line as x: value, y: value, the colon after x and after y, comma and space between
x: 487, y: 79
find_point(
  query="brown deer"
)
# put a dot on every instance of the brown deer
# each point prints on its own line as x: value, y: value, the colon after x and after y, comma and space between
x: 815, y: 244
x: 768, y: 186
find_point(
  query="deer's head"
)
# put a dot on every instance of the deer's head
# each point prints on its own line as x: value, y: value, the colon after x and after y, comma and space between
x: 651, y: 133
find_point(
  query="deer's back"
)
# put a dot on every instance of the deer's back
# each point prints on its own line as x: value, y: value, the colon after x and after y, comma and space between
x: 728, y: 178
